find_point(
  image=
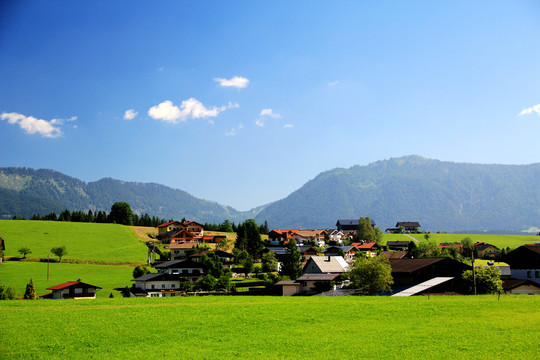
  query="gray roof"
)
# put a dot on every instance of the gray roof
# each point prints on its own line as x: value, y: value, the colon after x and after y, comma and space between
x: 335, y: 249
x: 416, y: 289
x: 179, y: 264
x: 157, y: 277
x: 329, y: 264
x: 318, y: 277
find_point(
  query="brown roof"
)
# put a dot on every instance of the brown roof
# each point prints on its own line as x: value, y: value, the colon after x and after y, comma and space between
x: 409, y: 265
x: 393, y: 254
x: 187, y: 245
x: 514, y: 283
x: 318, y: 277
x: 408, y: 224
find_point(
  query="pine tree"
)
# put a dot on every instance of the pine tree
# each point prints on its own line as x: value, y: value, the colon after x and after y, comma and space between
x: 292, y: 264
x: 30, y: 293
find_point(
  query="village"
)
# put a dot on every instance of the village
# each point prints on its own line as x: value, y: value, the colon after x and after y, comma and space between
x: 199, y: 263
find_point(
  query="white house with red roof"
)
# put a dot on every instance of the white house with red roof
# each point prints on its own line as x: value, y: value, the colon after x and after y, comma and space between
x: 72, y: 290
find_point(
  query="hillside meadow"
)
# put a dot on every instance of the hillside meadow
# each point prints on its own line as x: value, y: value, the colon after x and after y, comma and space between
x: 501, y: 241
x: 83, y: 241
x: 461, y: 327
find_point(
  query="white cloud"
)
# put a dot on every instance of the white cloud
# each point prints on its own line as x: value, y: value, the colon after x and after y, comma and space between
x: 333, y: 83
x: 535, y: 108
x: 32, y: 125
x: 189, y: 109
x: 236, y: 81
x: 130, y: 114
x: 288, y: 126
x: 259, y: 122
x: 270, y: 113
x: 234, y: 131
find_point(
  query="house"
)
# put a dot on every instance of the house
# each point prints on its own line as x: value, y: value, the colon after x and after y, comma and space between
x: 369, y: 249
x: 307, y: 252
x: 309, y: 284
x: 191, y: 226
x: 326, y: 265
x: 347, y: 251
x: 350, y: 225
x: 486, y: 251
x: 280, y: 237
x: 397, y: 245
x: 72, y: 290
x: 335, y: 236
x: 408, y: 272
x: 409, y: 226
x: 516, y: 286
x: 319, y: 237
x: 180, y: 250
x: 525, y: 262
x: 449, y: 246
x: 157, y: 285
x: 188, y: 269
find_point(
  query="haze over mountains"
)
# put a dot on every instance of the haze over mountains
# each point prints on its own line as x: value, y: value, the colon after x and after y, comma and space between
x: 440, y: 195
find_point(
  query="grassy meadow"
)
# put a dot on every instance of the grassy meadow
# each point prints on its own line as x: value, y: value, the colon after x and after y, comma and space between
x: 501, y: 241
x: 17, y: 274
x: 460, y: 327
x: 83, y: 241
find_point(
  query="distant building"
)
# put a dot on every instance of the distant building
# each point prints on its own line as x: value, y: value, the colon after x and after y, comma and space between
x: 349, y: 225
x: 72, y: 290
x: 525, y: 262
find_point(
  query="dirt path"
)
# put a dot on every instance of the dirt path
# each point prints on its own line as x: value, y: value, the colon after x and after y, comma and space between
x: 413, y: 239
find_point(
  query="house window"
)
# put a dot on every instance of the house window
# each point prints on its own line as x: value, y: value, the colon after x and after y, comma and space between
x: 173, y: 286
x: 529, y: 275
x: 163, y: 286
x: 153, y: 287
x: 537, y: 274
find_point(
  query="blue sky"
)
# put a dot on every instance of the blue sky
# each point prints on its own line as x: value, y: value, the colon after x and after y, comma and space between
x: 244, y: 102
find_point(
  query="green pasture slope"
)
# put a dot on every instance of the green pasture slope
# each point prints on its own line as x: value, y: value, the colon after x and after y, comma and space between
x: 501, y: 241
x: 83, y: 241
x: 459, y: 327
x: 16, y: 274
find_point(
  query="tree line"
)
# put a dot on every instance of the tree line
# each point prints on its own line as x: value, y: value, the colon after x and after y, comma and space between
x: 120, y: 213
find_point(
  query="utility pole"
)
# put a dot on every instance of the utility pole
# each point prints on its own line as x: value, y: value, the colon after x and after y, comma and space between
x: 473, y: 273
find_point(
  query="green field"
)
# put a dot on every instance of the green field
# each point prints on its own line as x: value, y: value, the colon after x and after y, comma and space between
x: 16, y: 274
x: 83, y: 241
x: 460, y: 327
x: 501, y: 241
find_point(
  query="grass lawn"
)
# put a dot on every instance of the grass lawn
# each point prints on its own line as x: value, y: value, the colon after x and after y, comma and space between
x: 17, y: 274
x: 83, y: 241
x: 500, y: 241
x: 460, y: 327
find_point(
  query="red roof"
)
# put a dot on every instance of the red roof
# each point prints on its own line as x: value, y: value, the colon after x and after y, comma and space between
x: 364, y: 246
x: 167, y: 224
x: 70, y: 284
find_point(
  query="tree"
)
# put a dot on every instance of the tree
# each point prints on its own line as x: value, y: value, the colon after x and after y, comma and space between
x: 254, y: 244
x: 30, y: 293
x: 7, y: 293
x: 269, y: 262
x: 140, y: 270
x: 468, y: 247
x: 373, y: 275
x: 292, y: 263
x: 121, y: 213
x: 367, y: 232
x: 488, y: 280
x: 24, y: 251
x: 59, y: 251
x: 224, y: 281
x: 207, y: 283
x: 248, y: 265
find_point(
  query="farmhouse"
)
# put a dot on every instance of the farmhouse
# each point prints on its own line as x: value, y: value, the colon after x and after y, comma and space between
x: 526, y: 287
x: 485, y: 250
x: 190, y: 226
x: 156, y: 285
x: 319, y: 237
x: 525, y: 262
x: 369, y: 249
x: 308, y: 284
x: 397, y: 245
x: 335, y: 236
x: 188, y: 269
x: 347, y: 251
x: 409, y: 226
x: 349, y: 225
x: 72, y: 290
x: 280, y: 237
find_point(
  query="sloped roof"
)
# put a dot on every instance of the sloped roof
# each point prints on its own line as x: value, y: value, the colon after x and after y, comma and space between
x: 69, y: 284
x: 366, y: 245
x: 408, y: 224
x: 219, y: 253
x: 167, y: 224
x: 335, y: 249
x: 179, y: 264
x: 329, y: 264
x: 185, y: 245
x: 514, y: 283
x: 483, y: 245
x: 393, y: 254
x: 309, y: 232
x: 318, y: 277
x: 409, y: 265
x: 157, y: 277
x: 416, y: 289
x: 397, y: 243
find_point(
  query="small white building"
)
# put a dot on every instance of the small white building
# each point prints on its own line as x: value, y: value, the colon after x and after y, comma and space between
x: 72, y: 290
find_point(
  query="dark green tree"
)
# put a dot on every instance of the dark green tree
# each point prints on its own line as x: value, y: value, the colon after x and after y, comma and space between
x: 7, y: 293
x: 292, y: 264
x: 59, y: 251
x: 248, y: 265
x: 269, y: 262
x: 140, y: 270
x: 30, y: 293
x: 121, y: 213
x: 24, y: 251
x: 468, y: 247
x: 367, y: 232
x: 373, y: 275
x: 207, y: 283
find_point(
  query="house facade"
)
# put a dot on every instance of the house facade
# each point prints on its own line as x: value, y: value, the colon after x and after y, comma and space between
x: 156, y: 285
x: 486, y: 251
x: 525, y: 262
x: 72, y: 290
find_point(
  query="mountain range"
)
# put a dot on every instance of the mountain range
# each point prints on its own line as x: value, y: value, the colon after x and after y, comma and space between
x: 441, y: 195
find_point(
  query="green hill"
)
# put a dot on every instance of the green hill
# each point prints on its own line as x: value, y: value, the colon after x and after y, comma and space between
x: 83, y: 241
